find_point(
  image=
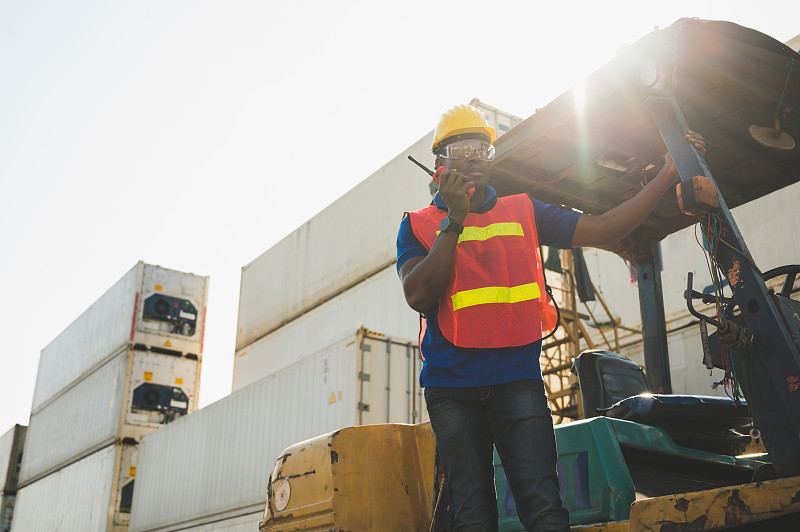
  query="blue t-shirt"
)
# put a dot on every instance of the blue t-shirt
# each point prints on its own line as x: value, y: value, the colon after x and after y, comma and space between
x: 447, y: 365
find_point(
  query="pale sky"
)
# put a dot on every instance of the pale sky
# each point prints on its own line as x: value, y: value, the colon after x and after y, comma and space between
x: 197, y: 134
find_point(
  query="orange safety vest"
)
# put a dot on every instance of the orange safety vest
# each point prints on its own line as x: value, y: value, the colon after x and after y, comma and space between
x: 495, y: 297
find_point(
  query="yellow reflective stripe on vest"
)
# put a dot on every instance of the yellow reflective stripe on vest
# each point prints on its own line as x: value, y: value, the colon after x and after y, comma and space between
x: 498, y: 229
x: 485, y: 233
x: 496, y: 294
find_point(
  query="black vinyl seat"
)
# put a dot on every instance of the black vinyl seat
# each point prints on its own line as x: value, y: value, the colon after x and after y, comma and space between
x: 606, y: 378
x: 614, y: 386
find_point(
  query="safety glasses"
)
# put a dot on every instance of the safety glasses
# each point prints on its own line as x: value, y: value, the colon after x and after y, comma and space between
x: 467, y: 149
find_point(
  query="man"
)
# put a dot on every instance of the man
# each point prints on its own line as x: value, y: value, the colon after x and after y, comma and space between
x: 470, y: 265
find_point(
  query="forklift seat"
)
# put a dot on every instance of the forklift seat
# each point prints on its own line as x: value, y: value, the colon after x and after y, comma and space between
x: 606, y: 378
x: 612, y: 386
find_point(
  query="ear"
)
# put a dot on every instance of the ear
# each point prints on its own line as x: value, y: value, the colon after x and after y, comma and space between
x: 438, y: 162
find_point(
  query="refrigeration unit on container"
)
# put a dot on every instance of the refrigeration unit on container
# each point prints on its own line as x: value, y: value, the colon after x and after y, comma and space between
x: 156, y: 309
x: 377, y: 301
x: 129, y: 395
x: 213, y: 465
x: 162, y: 388
x: 93, y: 494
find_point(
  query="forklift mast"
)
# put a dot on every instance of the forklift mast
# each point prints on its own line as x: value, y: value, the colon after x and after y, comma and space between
x: 761, y: 336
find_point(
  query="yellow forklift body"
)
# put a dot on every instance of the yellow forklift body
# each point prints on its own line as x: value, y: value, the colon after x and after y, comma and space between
x: 370, y: 477
x: 720, y: 508
x: 727, y: 508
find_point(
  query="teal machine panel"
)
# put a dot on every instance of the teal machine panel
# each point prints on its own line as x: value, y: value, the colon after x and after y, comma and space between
x: 596, y: 470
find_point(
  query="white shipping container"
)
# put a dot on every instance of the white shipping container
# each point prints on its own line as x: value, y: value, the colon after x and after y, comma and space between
x: 214, y: 464
x: 100, y: 409
x: 80, y: 422
x: 91, y: 495
x: 12, y: 444
x: 349, y: 241
x: 135, y: 310
x: 377, y: 303
x: 500, y: 120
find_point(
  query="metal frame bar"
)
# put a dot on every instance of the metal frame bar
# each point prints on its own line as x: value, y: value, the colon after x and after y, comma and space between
x: 654, y: 323
x: 776, y: 351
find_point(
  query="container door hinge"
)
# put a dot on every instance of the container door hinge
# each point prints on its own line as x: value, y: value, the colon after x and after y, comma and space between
x: 363, y: 407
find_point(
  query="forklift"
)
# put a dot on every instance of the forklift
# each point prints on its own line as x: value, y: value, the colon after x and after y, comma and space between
x: 642, y: 459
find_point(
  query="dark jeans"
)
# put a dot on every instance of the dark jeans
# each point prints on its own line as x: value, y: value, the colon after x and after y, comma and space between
x: 516, y: 418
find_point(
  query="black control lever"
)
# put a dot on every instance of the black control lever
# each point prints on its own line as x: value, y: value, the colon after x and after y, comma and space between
x: 690, y: 294
x: 711, y: 298
x: 729, y: 333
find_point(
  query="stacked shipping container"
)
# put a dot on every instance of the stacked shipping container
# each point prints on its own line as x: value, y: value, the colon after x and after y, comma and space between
x: 346, y: 256
x: 347, y: 243
x: 306, y: 375
x: 214, y: 465
x: 125, y: 367
x: 376, y: 302
x: 12, y: 444
x: 299, y: 371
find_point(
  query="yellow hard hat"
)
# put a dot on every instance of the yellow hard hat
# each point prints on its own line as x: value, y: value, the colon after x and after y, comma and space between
x: 461, y: 120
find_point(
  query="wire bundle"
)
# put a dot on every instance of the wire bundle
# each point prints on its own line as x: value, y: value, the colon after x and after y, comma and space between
x: 712, y: 235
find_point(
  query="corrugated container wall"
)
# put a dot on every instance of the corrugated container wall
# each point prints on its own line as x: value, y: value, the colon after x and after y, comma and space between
x: 349, y: 241
x: 105, y: 406
x: 376, y: 303
x: 770, y: 227
x: 126, y: 366
x: 12, y: 444
x: 215, y: 464
x: 244, y: 523
x: 132, y: 311
x: 80, y: 422
x: 90, y: 495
